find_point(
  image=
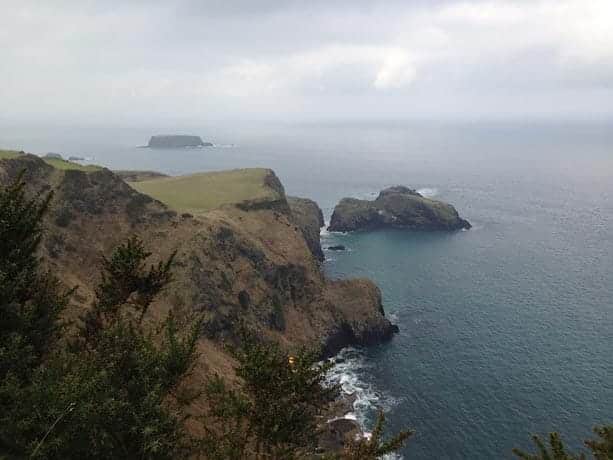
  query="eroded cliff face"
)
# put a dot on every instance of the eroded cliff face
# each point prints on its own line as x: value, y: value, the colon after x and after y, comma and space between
x: 249, y: 264
x: 309, y: 217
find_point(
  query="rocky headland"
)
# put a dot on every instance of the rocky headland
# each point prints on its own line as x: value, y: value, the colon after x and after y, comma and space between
x: 396, y: 207
x: 176, y: 141
x: 255, y: 262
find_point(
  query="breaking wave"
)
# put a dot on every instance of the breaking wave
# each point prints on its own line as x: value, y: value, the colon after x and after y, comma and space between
x: 349, y: 365
x: 428, y: 192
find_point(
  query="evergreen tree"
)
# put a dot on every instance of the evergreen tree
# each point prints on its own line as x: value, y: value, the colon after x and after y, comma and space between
x: 601, y: 449
x: 555, y: 450
x: 273, y: 412
x: 107, y: 395
x: 31, y: 301
x: 116, y: 378
x: 374, y: 447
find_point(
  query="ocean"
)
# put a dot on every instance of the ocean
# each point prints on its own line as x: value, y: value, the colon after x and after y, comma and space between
x: 506, y: 329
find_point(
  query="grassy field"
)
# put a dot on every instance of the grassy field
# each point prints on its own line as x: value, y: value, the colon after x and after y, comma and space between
x: 205, y: 191
x: 7, y: 154
x: 63, y: 164
x: 56, y: 163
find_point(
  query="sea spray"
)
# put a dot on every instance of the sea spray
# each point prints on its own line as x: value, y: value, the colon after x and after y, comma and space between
x: 349, y: 366
x: 428, y: 192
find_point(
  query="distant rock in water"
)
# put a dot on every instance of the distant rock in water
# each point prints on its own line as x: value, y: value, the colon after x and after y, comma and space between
x: 176, y: 141
x: 72, y: 158
x: 53, y: 156
x: 396, y: 207
x: 338, y: 247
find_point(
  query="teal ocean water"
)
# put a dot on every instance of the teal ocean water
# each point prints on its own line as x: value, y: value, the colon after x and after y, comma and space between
x: 505, y: 329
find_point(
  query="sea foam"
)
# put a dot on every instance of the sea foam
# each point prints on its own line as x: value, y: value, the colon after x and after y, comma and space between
x: 350, y: 363
x: 428, y: 192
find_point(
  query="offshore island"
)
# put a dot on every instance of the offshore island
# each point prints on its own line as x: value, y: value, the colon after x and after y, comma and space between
x: 176, y: 141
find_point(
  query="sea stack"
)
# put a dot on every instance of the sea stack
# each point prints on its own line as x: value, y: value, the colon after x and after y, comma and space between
x: 176, y: 141
x: 396, y: 207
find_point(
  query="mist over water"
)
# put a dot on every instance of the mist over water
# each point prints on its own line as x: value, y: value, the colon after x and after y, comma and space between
x: 506, y: 329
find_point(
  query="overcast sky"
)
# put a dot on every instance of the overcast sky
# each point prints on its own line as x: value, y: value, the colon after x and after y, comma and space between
x: 312, y: 59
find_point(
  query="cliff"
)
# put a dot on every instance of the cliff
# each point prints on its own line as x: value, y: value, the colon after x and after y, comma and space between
x: 309, y: 218
x: 245, y: 261
x: 176, y: 141
x: 396, y: 207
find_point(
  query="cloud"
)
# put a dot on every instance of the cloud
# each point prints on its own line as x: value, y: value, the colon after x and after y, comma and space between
x: 397, y: 70
x: 277, y: 59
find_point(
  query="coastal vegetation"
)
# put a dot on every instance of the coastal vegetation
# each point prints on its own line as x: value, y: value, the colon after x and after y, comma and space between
x: 600, y: 448
x: 112, y: 384
x: 202, y: 192
x: 57, y: 163
x: 95, y: 390
x: 6, y: 154
x: 70, y: 165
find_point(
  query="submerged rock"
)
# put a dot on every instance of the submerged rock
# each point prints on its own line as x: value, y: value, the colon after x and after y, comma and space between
x: 176, y: 141
x: 396, y: 207
x: 338, y: 247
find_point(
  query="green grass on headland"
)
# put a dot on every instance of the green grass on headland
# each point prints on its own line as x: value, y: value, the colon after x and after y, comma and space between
x: 64, y: 164
x: 202, y: 192
x: 8, y: 154
x: 55, y: 162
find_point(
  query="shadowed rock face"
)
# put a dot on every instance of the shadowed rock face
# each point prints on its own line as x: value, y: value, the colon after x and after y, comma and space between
x: 176, y: 141
x: 309, y: 218
x: 396, y: 207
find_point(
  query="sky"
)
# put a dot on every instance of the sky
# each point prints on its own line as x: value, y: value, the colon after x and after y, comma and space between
x: 202, y: 60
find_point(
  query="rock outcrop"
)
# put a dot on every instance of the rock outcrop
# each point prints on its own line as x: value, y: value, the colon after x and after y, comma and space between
x: 396, y: 207
x: 176, y: 141
x: 309, y: 218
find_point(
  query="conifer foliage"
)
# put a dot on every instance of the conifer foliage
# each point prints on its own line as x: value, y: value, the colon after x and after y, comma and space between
x: 375, y: 447
x: 105, y: 395
x: 273, y: 411
x: 600, y: 448
x: 30, y: 299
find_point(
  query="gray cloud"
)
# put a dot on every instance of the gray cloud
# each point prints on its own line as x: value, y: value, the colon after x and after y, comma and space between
x: 293, y: 59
